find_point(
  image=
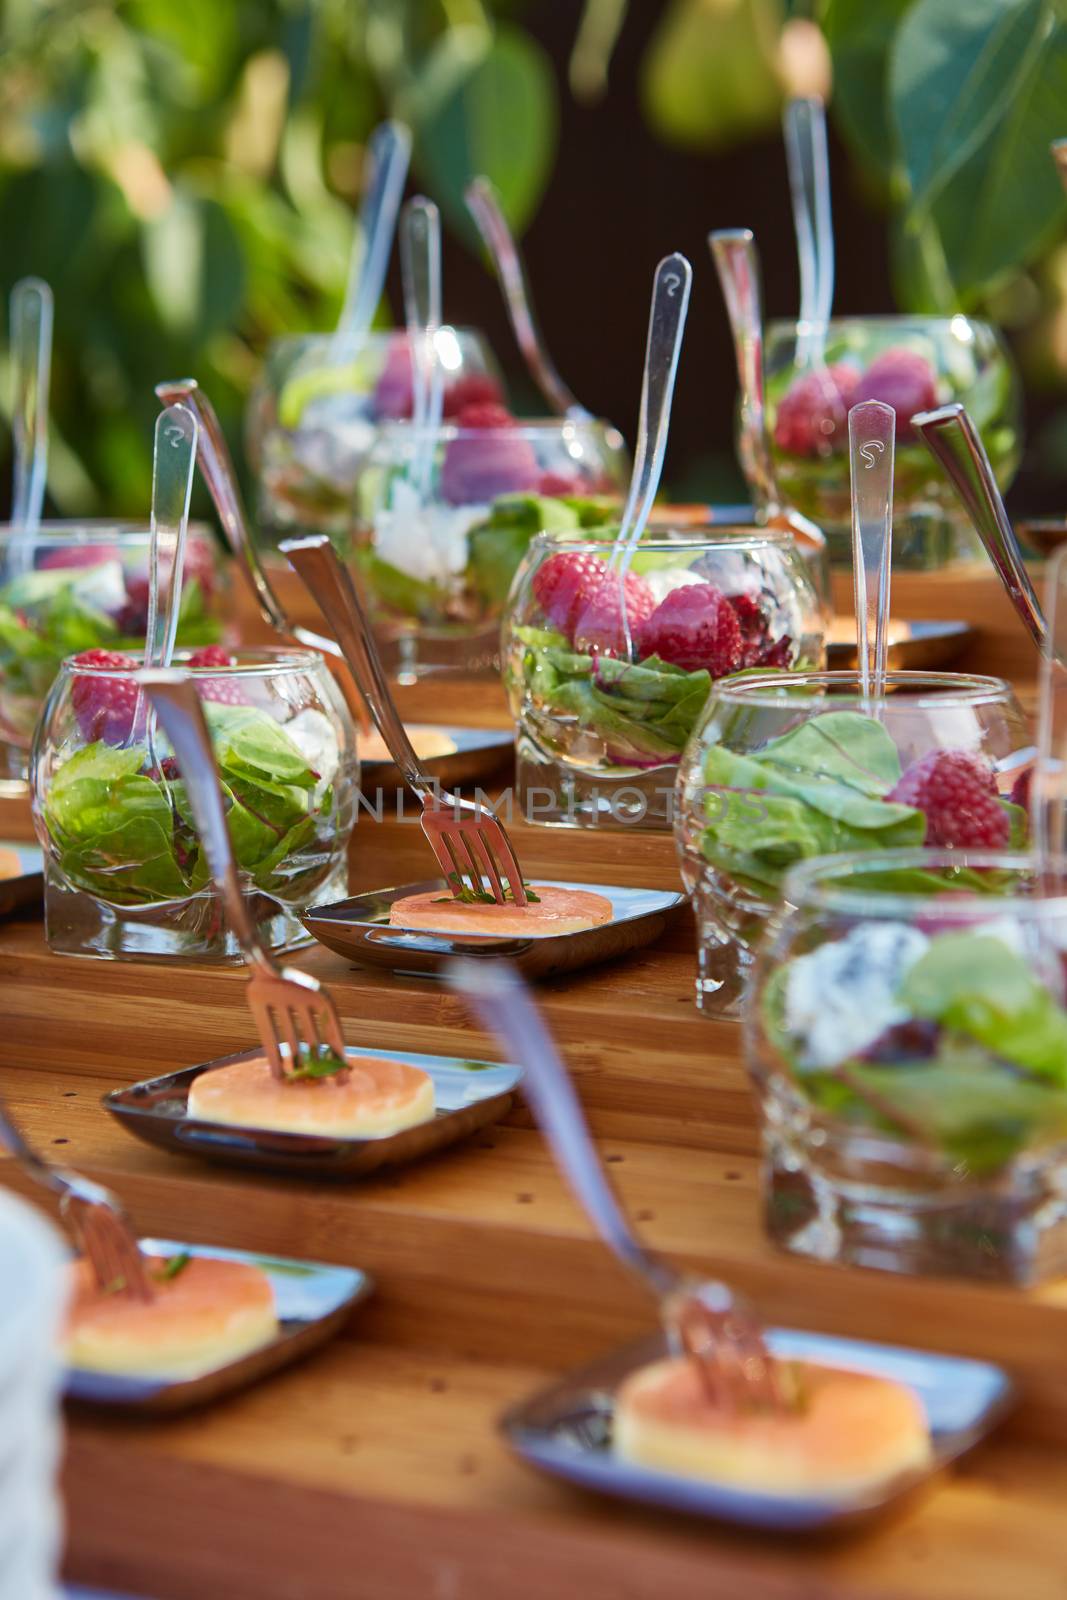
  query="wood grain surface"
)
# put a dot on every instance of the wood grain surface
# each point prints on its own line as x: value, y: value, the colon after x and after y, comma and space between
x: 374, y: 1469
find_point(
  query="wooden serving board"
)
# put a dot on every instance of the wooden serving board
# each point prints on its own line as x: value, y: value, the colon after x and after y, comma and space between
x: 374, y: 1469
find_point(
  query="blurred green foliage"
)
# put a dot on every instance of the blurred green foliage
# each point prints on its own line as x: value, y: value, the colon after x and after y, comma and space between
x: 183, y: 172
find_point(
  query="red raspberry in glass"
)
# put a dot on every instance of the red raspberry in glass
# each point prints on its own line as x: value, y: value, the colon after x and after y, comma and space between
x: 562, y: 586
x: 812, y: 415
x: 104, y: 707
x: 77, y: 555
x: 392, y: 399
x: 901, y: 379
x: 558, y: 486
x: 223, y: 691
x: 472, y: 389
x: 488, y: 459
x: 599, y: 626
x: 957, y: 792
x: 695, y: 627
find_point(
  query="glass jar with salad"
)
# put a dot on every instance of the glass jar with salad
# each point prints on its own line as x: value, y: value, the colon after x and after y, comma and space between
x: 607, y: 676
x: 912, y: 363
x: 84, y: 586
x: 447, y: 515
x: 785, y: 768
x: 906, y: 1032
x: 315, y: 412
x: 125, y: 875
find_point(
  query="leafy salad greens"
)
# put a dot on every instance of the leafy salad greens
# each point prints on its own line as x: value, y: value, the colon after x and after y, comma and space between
x: 127, y: 836
x: 819, y: 789
x: 983, y: 1075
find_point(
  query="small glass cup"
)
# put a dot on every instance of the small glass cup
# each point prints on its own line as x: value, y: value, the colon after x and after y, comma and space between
x: 913, y: 363
x: 84, y: 586
x: 907, y: 1038
x: 783, y: 768
x: 602, y: 720
x: 125, y: 875
x: 446, y: 516
x: 314, y: 414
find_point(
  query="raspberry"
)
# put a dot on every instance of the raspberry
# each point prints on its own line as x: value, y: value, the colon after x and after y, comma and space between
x: 491, y: 458
x: 901, y: 379
x: 485, y: 414
x: 755, y: 628
x: 562, y: 586
x: 812, y: 415
x: 599, y: 625
x: 695, y: 627
x: 77, y: 555
x: 474, y: 388
x: 212, y: 655
x: 393, y: 392
x: 557, y: 486
x: 199, y: 566
x: 957, y: 791
x: 104, y: 707
x: 778, y: 654
x: 1020, y: 789
x: 223, y: 691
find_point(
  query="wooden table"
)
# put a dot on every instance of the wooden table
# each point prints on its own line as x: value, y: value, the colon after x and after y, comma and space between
x: 374, y: 1470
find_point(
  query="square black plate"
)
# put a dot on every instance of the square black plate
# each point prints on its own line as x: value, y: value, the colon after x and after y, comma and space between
x: 566, y: 1430
x: 313, y: 1301
x: 359, y: 928
x: 469, y: 1094
x: 28, y: 888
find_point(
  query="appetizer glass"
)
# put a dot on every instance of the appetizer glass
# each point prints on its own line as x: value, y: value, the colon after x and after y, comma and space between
x: 913, y: 363
x: 314, y: 415
x: 85, y: 587
x: 125, y: 874
x: 782, y: 768
x: 907, y: 1037
x: 601, y: 726
x: 446, y: 516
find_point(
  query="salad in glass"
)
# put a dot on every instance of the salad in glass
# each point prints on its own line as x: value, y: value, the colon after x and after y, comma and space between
x: 783, y: 769
x: 607, y: 677
x: 907, y: 1034
x: 914, y: 364
x: 125, y: 874
x: 446, y: 517
x: 84, y: 586
x: 314, y: 416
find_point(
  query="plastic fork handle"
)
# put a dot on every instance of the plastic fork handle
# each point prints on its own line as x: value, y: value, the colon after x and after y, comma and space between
x: 952, y: 438
x: 736, y: 260
x: 809, y: 181
x: 216, y: 464
x: 483, y: 203
x: 330, y: 585
x: 503, y: 1004
x: 177, y: 705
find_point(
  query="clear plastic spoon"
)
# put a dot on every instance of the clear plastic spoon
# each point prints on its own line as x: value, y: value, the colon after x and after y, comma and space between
x: 666, y: 324
x: 31, y: 356
x: 1048, y: 785
x: 389, y: 152
x: 173, y: 465
x: 871, y: 439
x: 483, y: 203
x: 809, y: 181
x: 420, y: 257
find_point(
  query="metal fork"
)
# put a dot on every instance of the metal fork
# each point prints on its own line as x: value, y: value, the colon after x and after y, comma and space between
x: 93, y: 1214
x: 469, y: 842
x: 706, y: 1320
x: 291, y: 1009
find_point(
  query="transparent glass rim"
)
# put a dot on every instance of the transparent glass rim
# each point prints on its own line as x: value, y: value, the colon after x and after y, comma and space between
x: 817, y: 885
x: 786, y: 689
x: 529, y: 428
x: 64, y: 531
x: 683, y: 539
x: 258, y: 661
x: 886, y: 319
x: 374, y: 338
